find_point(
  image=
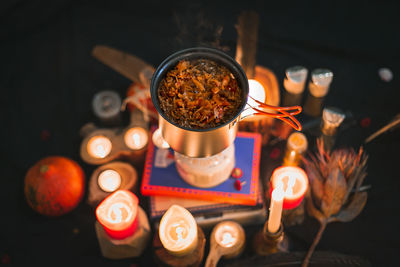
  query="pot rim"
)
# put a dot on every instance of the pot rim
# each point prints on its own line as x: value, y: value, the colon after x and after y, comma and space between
x: 194, y: 53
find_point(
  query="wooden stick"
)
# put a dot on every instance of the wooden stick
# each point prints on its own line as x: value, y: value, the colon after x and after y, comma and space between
x: 247, y: 29
x: 383, y: 129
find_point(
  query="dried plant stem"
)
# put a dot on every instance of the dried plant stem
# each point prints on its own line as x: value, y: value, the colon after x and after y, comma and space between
x: 317, y: 238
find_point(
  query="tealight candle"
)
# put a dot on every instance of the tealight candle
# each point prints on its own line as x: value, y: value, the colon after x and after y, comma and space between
x: 296, y: 145
x: 227, y: 239
x: 99, y: 146
x: 275, y: 210
x: 158, y: 140
x: 118, y: 214
x: 136, y: 138
x: 256, y: 91
x: 178, y: 231
x: 109, y: 180
x: 227, y: 234
x: 293, y: 181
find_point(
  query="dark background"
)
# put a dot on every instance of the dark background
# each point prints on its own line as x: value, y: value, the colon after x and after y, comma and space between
x: 48, y: 79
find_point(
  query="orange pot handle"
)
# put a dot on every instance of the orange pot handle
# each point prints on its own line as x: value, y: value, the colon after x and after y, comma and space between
x: 285, y: 114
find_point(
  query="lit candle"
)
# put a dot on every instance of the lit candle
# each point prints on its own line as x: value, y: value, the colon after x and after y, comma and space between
x: 109, y: 180
x: 99, y: 146
x: 293, y: 181
x: 118, y: 214
x: 136, y: 138
x: 178, y: 231
x: 296, y: 145
x: 256, y: 91
x: 158, y: 140
x: 227, y: 234
x: 275, y: 210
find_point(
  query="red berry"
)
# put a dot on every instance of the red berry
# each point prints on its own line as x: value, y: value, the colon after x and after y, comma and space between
x: 275, y: 153
x: 45, y: 135
x: 238, y: 185
x: 237, y: 173
x: 5, y: 259
x: 365, y: 122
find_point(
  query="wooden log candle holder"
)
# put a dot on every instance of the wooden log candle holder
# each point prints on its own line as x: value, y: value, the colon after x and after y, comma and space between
x: 113, y: 147
x: 130, y: 247
x: 128, y: 181
x: 193, y: 259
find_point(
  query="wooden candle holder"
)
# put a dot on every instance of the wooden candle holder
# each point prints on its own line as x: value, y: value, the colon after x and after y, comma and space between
x: 128, y: 175
x: 265, y: 243
x: 119, y: 149
x: 217, y: 251
x: 193, y: 259
x: 129, y: 247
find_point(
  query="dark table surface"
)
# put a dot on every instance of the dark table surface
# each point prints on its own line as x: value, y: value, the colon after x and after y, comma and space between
x: 48, y: 79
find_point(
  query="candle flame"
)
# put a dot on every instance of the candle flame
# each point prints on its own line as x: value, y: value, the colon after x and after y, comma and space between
x: 119, y: 212
x: 227, y: 239
x: 178, y: 230
x: 136, y: 138
x: 99, y: 146
x: 290, y: 185
x: 109, y: 180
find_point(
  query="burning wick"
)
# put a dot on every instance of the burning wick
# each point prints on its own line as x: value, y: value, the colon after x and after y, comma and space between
x: 136, y: 138
x: 293, y: 182
x: 99, y: 146
x: 109, y: 180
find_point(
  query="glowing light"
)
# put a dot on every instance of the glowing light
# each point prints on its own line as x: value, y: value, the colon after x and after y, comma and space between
x: 256, y: 91
x: 99, y: 146
x: 109, y: 180
x: 136, y: 138
x: 158, y: 140
x: 296, y: 145
x: 293, y: 181
x: 117, y: 214
x: 178, y: 231
x: 228, y: 234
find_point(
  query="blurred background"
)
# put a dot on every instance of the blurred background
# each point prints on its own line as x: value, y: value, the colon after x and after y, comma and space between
x: 48, y: 79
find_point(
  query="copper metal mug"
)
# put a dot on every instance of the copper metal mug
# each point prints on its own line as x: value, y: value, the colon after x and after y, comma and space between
x: 207, y: 142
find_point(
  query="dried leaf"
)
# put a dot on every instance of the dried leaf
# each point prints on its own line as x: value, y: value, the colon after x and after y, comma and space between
x: 312, y: 210
x: 353, y: 209
x: 335, y: 189
x: 317, y: 185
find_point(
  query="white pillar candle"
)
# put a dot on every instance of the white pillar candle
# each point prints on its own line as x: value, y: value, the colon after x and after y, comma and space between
x: 275, y: 210
x: 109, y: 180
x: 136, y: 138
x: 99, y: 146
x: 178, y: 231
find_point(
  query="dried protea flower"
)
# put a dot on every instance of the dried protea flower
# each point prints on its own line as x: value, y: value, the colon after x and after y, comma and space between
x: 335, y: 181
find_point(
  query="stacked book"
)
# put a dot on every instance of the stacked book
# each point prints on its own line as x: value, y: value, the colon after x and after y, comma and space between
x: 162, y: 183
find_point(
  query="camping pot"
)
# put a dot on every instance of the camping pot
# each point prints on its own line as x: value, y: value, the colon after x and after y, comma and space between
x: 207, y: 142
